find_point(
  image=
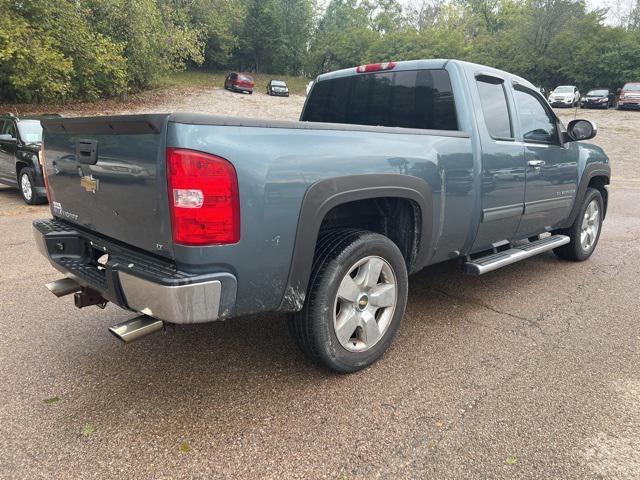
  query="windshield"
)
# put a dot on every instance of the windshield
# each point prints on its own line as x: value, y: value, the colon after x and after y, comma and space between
x: 30, y: 131
x: 598, y: 93
x: 632, y: 87
x: 278, y: 83
x: 563, y: 90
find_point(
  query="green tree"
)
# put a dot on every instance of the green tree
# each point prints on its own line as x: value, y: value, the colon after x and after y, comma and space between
x: 50, y: 52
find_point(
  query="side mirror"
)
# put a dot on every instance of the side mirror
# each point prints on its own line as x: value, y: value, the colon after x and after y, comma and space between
x: 7, y: 138
x: 581, y: 130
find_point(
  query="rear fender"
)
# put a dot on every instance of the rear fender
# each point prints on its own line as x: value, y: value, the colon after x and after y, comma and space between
x: 326, y: 194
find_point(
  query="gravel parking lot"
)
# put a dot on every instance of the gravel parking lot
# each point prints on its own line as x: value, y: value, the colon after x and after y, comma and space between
x: 532, y: 371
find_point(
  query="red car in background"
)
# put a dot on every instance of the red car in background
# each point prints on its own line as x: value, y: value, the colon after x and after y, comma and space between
x: 239, y: 82
x: 629, y: 96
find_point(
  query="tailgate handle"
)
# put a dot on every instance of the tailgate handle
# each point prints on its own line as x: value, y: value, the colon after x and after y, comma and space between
x: 87, y: 151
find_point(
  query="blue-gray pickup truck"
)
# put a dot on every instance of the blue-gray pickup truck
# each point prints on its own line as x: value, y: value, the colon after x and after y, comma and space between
x: 392, y: 167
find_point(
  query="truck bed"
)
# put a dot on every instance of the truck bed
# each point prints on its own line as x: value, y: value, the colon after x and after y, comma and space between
x: 276, y: 163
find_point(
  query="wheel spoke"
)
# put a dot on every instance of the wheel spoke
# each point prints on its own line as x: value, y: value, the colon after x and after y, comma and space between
x: 370, y: 329
x: 383, y: 295
x: 348, y: 289
x: 346, y: 324
x: 370, y: 272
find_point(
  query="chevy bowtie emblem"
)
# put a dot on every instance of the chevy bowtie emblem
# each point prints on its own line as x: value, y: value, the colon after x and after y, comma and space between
x: 89, y: 183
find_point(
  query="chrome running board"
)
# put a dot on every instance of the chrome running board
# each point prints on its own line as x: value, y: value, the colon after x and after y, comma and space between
x: 482, y: 265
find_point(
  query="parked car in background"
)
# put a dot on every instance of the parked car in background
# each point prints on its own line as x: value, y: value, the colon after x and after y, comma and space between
x: 598, y: 98
x: 565, y: 96
x: 308, y: 89
x: 277, y: 88
x: 20, y: 162
x: 393, y: 167
x: 629, y: 96
x: 239, y: 82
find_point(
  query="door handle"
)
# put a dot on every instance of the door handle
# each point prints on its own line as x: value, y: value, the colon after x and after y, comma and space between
x: 536, y: 163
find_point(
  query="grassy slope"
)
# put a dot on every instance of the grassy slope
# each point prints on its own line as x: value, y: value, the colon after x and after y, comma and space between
x: 176, y: 80
x: 296, y: 85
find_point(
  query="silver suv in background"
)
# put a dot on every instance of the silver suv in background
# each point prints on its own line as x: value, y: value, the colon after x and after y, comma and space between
x: 565, y: 96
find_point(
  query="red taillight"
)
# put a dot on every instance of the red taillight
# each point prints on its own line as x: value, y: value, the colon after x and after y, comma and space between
x: 205, y: 204
x: 375, y: 67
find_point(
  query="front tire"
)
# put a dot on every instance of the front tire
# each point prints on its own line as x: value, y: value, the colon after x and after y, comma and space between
x: 26, y: 185
x: 585, y: 231
x: 356, y: 300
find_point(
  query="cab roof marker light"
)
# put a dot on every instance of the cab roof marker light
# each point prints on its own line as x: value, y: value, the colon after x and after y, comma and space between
x: 375, y: 67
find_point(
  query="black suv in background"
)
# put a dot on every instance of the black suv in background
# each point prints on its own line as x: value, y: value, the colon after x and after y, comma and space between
x: 20, y: 165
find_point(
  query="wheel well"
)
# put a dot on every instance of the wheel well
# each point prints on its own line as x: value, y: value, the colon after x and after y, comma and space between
x: 396, y: 218
x: 599, y: 183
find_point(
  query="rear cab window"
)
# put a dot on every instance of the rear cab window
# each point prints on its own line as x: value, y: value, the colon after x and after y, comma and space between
x: 421, y: 99
x: 495, y: 109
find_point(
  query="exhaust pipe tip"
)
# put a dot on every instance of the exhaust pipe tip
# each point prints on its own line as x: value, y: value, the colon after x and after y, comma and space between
x: 136, y: 328
x: 64, y: 286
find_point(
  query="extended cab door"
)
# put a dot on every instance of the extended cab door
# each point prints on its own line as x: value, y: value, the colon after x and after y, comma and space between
x: 503, y: 164
x: 552, y: 168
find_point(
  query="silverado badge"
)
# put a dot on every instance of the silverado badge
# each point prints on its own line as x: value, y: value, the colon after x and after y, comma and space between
x: 89, y: 183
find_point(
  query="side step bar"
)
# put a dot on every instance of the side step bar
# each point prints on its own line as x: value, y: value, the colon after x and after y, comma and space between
x: 482, y: 265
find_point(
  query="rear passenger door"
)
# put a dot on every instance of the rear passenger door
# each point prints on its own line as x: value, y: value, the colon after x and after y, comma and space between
x: 503, y: 164
x: 552, y: 168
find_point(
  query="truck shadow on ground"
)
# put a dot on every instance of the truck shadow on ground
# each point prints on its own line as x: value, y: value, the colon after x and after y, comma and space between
x: 11, y: 198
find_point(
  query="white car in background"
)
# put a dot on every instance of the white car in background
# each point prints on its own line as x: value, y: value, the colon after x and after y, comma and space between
x: 565, y: 96
x: 309, y: 85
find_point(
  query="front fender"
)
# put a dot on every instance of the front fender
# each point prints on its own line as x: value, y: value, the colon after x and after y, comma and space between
x: 596, y: 164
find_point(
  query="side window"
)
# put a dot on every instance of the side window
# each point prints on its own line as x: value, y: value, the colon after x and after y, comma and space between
x: 9, y: 128
x: 537, y: 123
x: 495, y: 109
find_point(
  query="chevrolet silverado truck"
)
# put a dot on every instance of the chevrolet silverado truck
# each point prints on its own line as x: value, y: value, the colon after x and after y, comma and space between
x: 392, y: 167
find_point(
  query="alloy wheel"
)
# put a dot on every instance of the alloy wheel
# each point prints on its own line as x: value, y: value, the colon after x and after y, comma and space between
x: 25, y: 185
x: 590, y: 226
x: 365, y: 304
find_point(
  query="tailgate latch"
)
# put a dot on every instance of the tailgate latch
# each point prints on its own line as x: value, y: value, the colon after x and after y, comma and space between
x: 87, y: 152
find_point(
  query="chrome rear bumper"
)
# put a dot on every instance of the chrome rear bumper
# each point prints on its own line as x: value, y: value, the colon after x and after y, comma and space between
x: 165, y: 294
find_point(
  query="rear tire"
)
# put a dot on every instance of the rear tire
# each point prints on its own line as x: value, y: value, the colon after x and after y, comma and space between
x: 356, y: 300
x: 585, y: 231
x: 26, y: 185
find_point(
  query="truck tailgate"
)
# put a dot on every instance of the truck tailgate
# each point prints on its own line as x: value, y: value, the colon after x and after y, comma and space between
x: 107, y: 174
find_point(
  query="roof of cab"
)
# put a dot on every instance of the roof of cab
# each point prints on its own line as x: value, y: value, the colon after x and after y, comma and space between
x: 435, y: 63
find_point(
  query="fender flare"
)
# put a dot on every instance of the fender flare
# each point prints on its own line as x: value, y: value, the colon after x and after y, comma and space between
x: 28, y: 162
x: 327, y: 194
x: 590, y: 171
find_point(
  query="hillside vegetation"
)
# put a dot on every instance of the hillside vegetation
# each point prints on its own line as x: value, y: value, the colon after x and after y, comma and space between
x: 79, y: 50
